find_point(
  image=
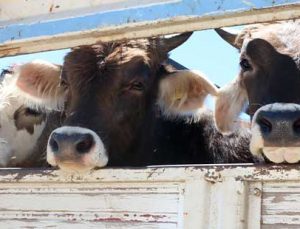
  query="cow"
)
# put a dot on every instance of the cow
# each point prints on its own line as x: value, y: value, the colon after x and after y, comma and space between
x: 26, y: 121
x: 268, y: 82
x: 125, y: 107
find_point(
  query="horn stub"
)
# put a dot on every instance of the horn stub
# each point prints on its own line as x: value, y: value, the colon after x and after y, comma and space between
x: 228, y: 37
x: 168, y: 44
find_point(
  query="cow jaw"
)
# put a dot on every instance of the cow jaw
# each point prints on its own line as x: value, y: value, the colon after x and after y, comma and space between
x: 274, y: 154
x: 71, y: 161
x: 282, y: 154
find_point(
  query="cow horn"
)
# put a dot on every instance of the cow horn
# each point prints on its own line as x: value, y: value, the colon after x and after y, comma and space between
x: 170, y: 43
x: 229, y: 37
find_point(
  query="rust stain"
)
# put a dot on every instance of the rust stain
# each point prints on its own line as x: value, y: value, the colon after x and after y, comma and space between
x: 257, y: 192
x: 213, y: 177
x: 51, y: 8
x: 153, y: 216
x: 279, y: 198
x: 115, y: 219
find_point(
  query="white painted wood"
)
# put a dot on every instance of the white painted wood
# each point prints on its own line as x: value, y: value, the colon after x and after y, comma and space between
x: 227, y: 204
x: 254, y: 205
x: 53, y: 9
x: 281, y: 203
x: 223, y: 196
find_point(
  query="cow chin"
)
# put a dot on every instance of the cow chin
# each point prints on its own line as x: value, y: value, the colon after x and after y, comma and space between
x: 70, y: 161
x: 274, y: 154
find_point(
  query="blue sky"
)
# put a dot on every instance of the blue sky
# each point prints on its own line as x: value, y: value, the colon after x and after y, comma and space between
x: 204, y: 51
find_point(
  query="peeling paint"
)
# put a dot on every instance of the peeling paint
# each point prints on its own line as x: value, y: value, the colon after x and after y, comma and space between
x: 45, y: 28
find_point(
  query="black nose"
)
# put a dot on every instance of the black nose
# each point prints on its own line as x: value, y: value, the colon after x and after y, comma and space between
x: 279, y: 127
x: 75, y: 142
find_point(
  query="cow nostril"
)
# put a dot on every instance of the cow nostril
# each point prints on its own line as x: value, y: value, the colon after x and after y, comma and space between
x: 85, y: 144
x: 265, y: 125
x: 53, y: 144
x: 296, y: 126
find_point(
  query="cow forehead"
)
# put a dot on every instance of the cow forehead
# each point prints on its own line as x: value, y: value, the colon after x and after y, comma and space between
x: 283, y: 36
x: 111, y: 54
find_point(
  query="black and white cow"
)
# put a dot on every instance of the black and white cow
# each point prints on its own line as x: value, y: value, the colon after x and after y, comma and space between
x: 26, y: 118
x: 269, y: 82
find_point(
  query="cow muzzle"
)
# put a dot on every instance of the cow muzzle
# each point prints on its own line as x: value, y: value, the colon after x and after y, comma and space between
x: 76, y: 149
x: 276, y: 132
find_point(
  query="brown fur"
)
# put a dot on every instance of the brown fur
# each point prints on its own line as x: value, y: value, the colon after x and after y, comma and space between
x: 26, y: 118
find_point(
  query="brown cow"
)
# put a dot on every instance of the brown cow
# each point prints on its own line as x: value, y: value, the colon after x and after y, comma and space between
x: 125, y: 107
x: 269, y: 80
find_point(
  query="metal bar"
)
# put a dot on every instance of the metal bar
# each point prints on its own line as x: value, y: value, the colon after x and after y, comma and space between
x: 57, y: 24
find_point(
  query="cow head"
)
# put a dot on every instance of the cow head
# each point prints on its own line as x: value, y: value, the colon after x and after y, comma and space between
x: 112, y: 94
x: 23, y: 113
x: 268, y: 83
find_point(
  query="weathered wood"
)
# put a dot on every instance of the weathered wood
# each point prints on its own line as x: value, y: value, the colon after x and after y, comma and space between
x: 281, y: 203
x: 49, y: 25
x: 254, y: 205
x: 216, y: 196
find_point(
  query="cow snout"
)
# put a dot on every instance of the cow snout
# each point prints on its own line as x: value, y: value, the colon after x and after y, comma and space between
x: 276, y: 132
x: 78, y: 143
x: 76, y: 148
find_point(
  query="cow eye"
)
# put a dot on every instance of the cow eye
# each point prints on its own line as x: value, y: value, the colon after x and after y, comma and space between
x: 63, y: 83
x: 32, y: 112
x: 137, y: 86
x: 245, y: 65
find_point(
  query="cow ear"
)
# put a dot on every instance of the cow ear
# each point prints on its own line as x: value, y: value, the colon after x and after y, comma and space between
x: 230, y: 102
x: 39, y: 82
x: 183, y: 92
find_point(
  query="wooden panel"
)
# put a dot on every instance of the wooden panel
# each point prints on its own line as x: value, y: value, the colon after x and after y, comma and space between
x: 49, y: 25
x: 253, y: 207
x: 208, y: 196
x: 139, y: 205
x: 281, y: 204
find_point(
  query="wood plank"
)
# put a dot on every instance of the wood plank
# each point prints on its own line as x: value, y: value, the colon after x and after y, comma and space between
x: 181, y: 173
x: 51, y: 26
x: 203, y: 196
x: 254, y: 205
x: 109, y: 205
x: 281, y: 203
x: 107, y: 225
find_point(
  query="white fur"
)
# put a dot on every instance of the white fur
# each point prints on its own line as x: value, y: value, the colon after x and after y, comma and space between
x: 257, y: 142
x: 9, y: 89
x: 286, y: 32
x: 229, y: 104
x: 182, y: 94
x: 16, y: 145
x: 279, y: 106
x: 96, y: 158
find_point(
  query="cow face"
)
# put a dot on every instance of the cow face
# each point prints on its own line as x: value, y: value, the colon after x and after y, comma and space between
x: 269, y: 81
x: 22, y: 114
x: 112, y: 92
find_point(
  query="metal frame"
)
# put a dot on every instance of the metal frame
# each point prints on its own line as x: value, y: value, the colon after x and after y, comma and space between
x: 49, y: 25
